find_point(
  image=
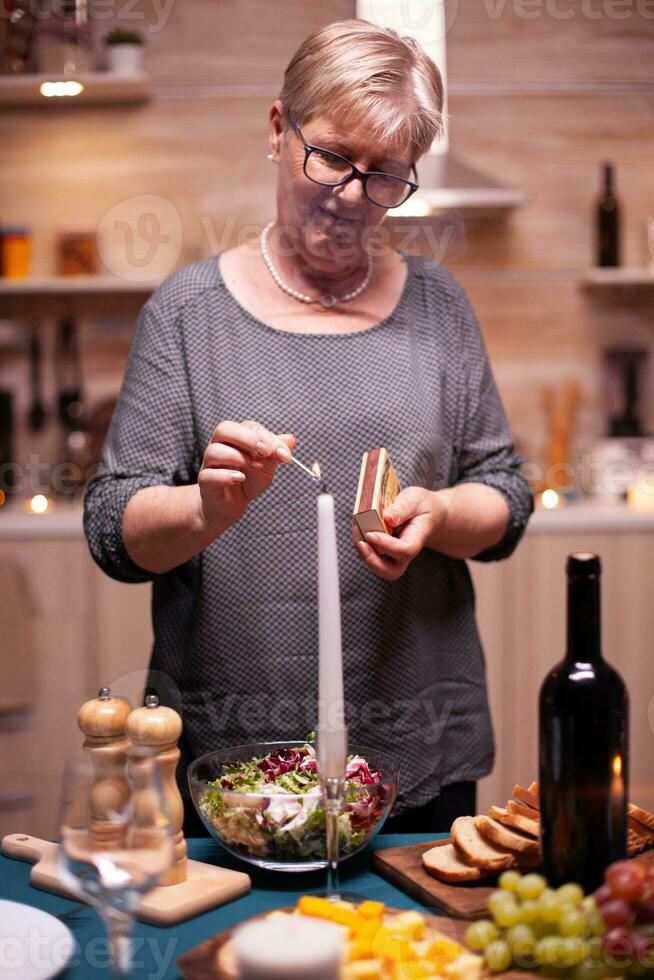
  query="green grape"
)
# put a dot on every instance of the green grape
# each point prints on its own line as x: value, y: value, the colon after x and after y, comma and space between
x: 522, y: 943
x: 548, y: 906
x: 531, y: 886
x: 547, y: 950
x: 570, y: 893
x: 498, y: 899
x: 573, y: 922
x: 508, y: 915
x: 516, y: 933
x: 480, y: 934
x: 595, y: 948
x: 509, y: 880
x: 589, y: 969
x: 580, y: 949
x: 595, y: 924
x: 541, y: 929
x: 561, y: 951
x: 498, y: 956
x: 529, y: 911
x: 589, y: 904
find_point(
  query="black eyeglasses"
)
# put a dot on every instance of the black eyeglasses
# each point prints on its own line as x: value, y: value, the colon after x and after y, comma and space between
x: 332, y: 170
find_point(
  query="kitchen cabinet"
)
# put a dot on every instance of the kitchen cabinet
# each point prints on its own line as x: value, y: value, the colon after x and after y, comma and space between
x: 80, y: 630
x: 77, y: 631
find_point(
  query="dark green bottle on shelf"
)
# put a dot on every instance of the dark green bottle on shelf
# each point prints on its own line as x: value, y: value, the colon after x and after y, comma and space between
x: 608, y: 221
x: 583, y: 745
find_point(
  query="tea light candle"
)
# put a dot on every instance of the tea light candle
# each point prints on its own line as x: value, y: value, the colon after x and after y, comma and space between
x: 288, y: 947
x: 641, y: 495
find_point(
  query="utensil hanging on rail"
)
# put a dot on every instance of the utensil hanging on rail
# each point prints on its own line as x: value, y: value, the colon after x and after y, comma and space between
x: 36, y: 416
x: 68, y: 373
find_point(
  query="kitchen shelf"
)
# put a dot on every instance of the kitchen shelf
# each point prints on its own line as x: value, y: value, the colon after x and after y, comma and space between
x: 448, y: 183
x: 98, y: 87
x: 74, y: 286
x: 619, y: 276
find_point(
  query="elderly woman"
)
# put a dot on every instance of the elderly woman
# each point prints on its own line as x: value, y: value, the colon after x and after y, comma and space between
x: 326, y: 335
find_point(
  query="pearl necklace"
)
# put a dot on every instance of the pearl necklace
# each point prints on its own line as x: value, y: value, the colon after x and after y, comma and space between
x: 325, y: 299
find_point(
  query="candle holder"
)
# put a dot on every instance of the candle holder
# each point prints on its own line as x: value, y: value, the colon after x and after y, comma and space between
x: 332, y: 744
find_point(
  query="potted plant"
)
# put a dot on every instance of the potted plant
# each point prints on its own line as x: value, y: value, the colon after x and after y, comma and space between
x: 124, y: 51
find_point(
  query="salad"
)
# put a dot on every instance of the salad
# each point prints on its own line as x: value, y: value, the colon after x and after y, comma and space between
x: 287, y: 820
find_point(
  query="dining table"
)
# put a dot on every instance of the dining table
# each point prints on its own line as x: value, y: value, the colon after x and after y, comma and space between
x: 156, y: 950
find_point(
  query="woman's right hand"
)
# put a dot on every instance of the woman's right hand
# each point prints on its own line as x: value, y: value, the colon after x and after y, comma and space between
x: 238, y: 465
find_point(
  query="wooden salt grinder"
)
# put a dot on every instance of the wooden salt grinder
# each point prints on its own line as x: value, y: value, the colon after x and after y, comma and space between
x: 103, y: 721
x: 153, y: 732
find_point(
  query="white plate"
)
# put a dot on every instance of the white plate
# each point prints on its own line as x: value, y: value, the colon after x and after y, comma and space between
x: 33, y: 944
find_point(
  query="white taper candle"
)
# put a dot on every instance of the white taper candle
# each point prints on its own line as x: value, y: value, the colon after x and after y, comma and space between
x: 330, y: 650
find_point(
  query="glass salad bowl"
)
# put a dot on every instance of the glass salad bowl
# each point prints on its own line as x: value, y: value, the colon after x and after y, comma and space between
x: 263, y: 802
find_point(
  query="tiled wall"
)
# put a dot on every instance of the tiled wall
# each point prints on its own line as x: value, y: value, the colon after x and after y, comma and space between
x: 540, y: 93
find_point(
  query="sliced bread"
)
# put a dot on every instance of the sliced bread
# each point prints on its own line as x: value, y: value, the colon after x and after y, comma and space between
x: 635, y: 843
x: 516, y: 821
x: 476, y: 850
x: 497, y: 834
x: 445, y: 863
x: 523, y: 810
x: 526, y: 796
x: 641, y: 829
x: 642, y: 816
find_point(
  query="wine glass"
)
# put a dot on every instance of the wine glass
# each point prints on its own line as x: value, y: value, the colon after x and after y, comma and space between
x: 116, y: 842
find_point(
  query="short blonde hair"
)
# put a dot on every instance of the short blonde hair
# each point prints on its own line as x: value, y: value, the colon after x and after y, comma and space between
x: 359, y: 72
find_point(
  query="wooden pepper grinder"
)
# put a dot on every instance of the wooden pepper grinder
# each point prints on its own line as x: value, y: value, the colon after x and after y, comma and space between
x: 153, y: 732
x: 103, y: 721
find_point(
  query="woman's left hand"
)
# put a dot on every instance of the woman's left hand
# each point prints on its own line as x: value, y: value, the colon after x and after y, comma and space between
x: 415, y: 512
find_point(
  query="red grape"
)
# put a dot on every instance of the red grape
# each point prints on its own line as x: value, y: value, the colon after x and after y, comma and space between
x: 626, y: 880
x: 643, y: 949
x: 616, y: 946
x: 602, y: 895
x: 616, y: 912
x: 645, y: 910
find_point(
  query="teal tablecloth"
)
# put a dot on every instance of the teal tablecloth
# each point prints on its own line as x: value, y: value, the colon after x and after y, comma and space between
x: 156, y: 949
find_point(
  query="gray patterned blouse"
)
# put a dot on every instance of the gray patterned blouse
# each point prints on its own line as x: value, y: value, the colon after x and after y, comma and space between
x: 235, y: 628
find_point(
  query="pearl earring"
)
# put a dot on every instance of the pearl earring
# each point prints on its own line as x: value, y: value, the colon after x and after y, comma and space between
x: 270, y: 156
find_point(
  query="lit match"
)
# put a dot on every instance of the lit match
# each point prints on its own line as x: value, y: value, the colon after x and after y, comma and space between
x: 313, y: 471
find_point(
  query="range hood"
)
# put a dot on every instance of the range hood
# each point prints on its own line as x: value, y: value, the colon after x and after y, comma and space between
x: 446, y: 181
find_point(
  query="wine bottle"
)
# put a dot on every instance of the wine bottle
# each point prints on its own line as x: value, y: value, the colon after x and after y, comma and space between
x: 608, y: 222
x: 583, y: 745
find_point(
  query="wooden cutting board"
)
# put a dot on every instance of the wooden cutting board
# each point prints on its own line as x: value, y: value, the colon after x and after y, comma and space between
x: 403, y: 867
x: 214, y: 960
x: 206, y: 886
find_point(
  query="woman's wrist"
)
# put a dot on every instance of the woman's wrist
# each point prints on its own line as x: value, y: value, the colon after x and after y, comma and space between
x: 467, y: 519
x: 212, y: 520
x: 164, y: 526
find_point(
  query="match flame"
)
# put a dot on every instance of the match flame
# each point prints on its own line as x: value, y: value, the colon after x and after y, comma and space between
x: 617, y: 765
x: 315, y: 469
